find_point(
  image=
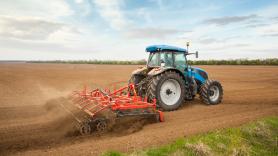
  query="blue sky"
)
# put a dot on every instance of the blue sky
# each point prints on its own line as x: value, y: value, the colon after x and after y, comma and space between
x: 121, y: 29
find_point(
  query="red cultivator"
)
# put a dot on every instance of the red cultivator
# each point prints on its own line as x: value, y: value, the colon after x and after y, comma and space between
x: 104, y: 107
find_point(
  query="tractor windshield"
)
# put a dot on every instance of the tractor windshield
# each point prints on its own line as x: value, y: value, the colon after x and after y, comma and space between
x: 180, y: 61
x: 153, y: 60
x: 161, y: 58
x: 167, y: 59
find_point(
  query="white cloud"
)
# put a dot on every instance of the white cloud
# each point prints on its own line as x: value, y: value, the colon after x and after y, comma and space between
x: 50, y: 9
x: 151, y: 32
x: 268, y: 30
x: 143, y: 12
x: 84, y: 8
x: 111, y: 11
x: 229, y: 19
x: 27, y: 28
x: 79, y: 1
x: 270, y: 11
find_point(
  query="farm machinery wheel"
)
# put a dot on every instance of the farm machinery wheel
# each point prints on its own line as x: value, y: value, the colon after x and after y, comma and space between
x: 101, y: 125
x: 85, y: 128
x: 211, y: 92
x: 169, y: 90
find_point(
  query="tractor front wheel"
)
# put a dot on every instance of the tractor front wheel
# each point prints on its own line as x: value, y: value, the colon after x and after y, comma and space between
x: 211, y: 92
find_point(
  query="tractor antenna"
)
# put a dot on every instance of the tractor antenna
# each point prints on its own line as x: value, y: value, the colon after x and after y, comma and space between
x: 187, y: 45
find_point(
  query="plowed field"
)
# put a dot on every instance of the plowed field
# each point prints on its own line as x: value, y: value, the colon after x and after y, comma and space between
x: 33, y: 123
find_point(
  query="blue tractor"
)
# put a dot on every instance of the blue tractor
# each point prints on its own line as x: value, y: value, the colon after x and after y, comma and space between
x: 169, y: 79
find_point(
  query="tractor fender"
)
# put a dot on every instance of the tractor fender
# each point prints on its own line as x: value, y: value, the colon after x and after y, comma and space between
x: 159, y: 70
x: 140, y: 71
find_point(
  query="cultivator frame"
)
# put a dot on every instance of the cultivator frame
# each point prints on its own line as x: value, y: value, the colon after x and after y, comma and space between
x: 104, y: 106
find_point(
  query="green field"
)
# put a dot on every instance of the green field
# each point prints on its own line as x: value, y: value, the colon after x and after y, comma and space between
x: 256, y: 138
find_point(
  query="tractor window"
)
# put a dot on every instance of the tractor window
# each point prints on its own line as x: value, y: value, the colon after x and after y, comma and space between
x: 153, y: 60
x: 166, y: 58
x: 180, y: 61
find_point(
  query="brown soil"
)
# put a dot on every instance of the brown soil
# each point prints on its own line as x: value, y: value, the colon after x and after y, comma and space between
x: 33, y: 123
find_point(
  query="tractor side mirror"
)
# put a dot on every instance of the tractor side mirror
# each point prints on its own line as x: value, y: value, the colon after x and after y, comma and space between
x: 197, y: 54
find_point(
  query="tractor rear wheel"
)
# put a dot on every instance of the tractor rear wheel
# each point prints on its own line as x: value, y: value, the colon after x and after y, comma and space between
x: 169, y: 90
x: 211, y: 92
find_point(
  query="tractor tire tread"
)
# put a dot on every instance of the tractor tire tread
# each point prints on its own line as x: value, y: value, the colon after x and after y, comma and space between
x: 204, y: 96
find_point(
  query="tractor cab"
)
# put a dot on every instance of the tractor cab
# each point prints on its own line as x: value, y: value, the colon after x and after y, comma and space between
x: 167, y: 57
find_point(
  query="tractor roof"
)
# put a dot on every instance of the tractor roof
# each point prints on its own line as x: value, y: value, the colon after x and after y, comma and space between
x: 158, y: 48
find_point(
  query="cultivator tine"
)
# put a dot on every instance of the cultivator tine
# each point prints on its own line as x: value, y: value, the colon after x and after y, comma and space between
x: 90, y: 113
x: 84, y: 101
x: 71, y: 113
x: 87, y: 105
